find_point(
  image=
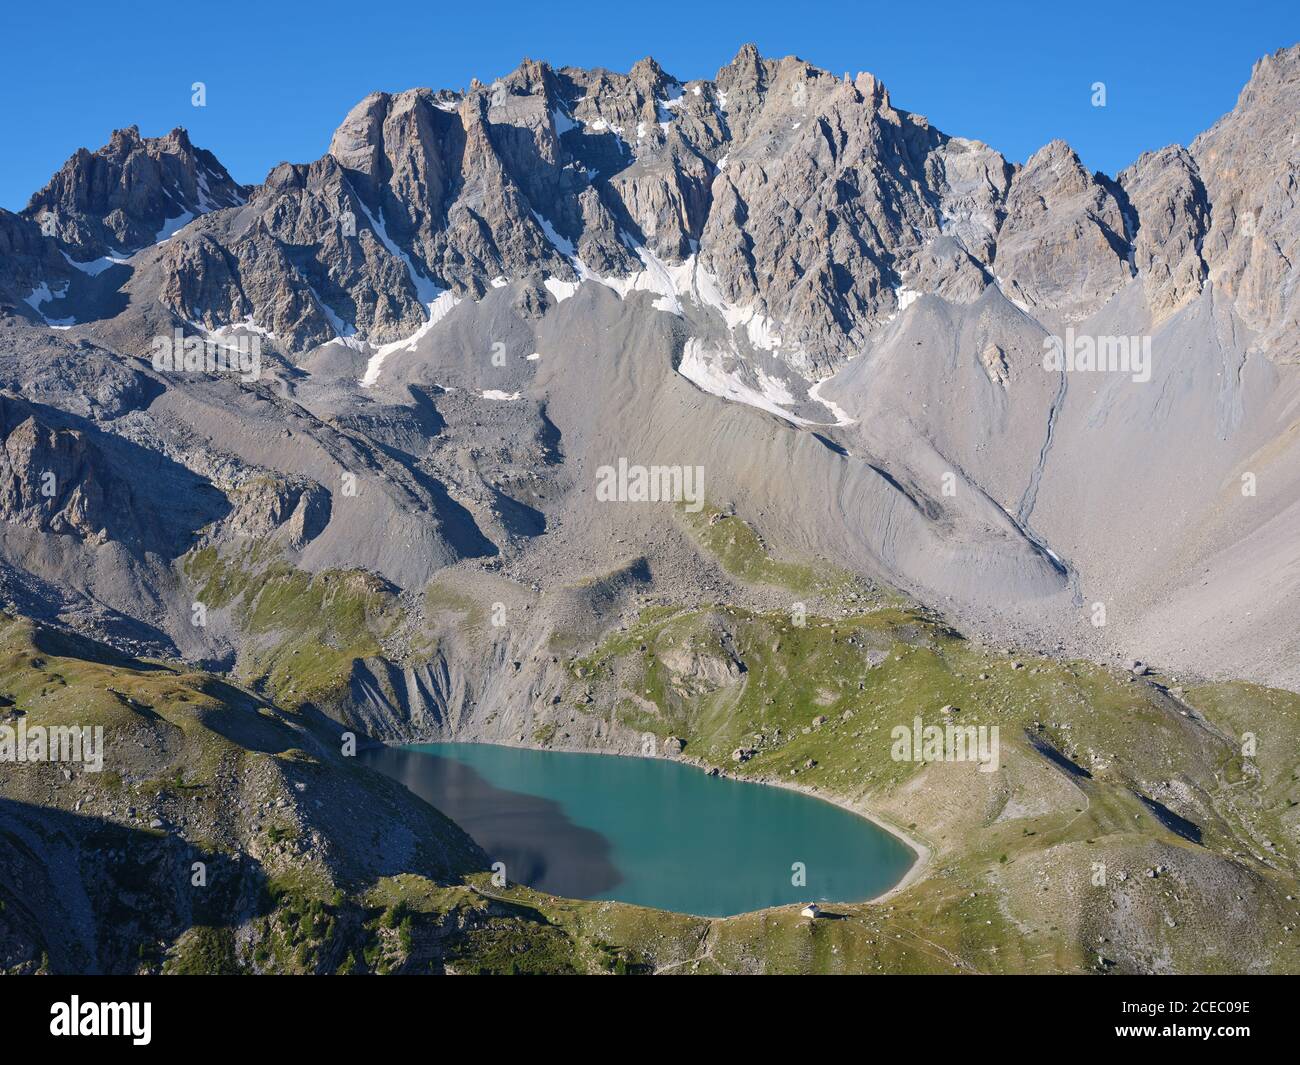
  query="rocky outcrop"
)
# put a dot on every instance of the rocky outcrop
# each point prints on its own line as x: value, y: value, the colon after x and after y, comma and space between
x: 694, y: 670
x: 1064, y: 243
x: 1251, y: 172
x: 62, y: 475
x: 1167, y: 197
x: 130, y: 193
x: 32, y: 272
x: 54, y: 479
x: 994, y: 360
x: 805, y: 210
x: 283, y: 512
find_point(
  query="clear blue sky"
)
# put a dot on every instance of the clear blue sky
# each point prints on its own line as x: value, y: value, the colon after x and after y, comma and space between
x: 280, y: 76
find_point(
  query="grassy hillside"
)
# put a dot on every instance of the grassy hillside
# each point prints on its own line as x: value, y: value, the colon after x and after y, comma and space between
x: 1131, y: 825
x: 301, y: 632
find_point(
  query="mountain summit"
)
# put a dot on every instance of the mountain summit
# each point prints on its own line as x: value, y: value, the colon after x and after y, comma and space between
x: 778, y: 262
x: 131, y: 193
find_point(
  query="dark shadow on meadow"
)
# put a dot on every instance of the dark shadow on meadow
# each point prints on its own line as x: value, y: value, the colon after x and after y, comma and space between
x: 94, y: 896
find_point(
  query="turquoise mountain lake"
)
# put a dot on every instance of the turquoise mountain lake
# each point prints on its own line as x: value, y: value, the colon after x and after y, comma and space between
x: 647, y: 831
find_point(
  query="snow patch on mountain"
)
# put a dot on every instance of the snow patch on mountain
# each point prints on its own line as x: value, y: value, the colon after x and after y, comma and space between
x: 438, y: 310
x: 42, y: 294
x: 837, y: 412
x: 173, y: 225
x: 563, y: 123
x: 705, y: 366
x: 425, y: 289
x: 345, y: 333
x: 95, y: 267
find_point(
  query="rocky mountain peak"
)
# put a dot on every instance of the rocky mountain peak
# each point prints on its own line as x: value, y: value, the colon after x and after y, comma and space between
x: 872, y: 89
x: 1272, y: 75
x: 1250, y: 167
x: 648, y: 76
x: 816, y: 208
x: 132, y: 192
x: 1167, y: 197
x: 1063, y: 245
x: 746, y: 67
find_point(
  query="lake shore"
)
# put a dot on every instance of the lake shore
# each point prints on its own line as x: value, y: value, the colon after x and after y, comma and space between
x: 922, y: 851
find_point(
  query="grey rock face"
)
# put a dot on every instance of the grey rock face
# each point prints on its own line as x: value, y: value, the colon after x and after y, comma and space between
x: 403, y: 155
x: 1064, y: 243
x: 297, y: 261
x: 274, y: 509
x: 124, y: 196
x: 1165, y: 192
x: 55, y: 480
x: 807, y: 209
x: 1250, y: 164
x: 816, y: 211
x: 30, y: 268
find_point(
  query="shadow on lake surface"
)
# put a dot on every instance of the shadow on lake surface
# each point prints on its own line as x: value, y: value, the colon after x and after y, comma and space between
x: 532, y: 835
x: 648, y: 831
